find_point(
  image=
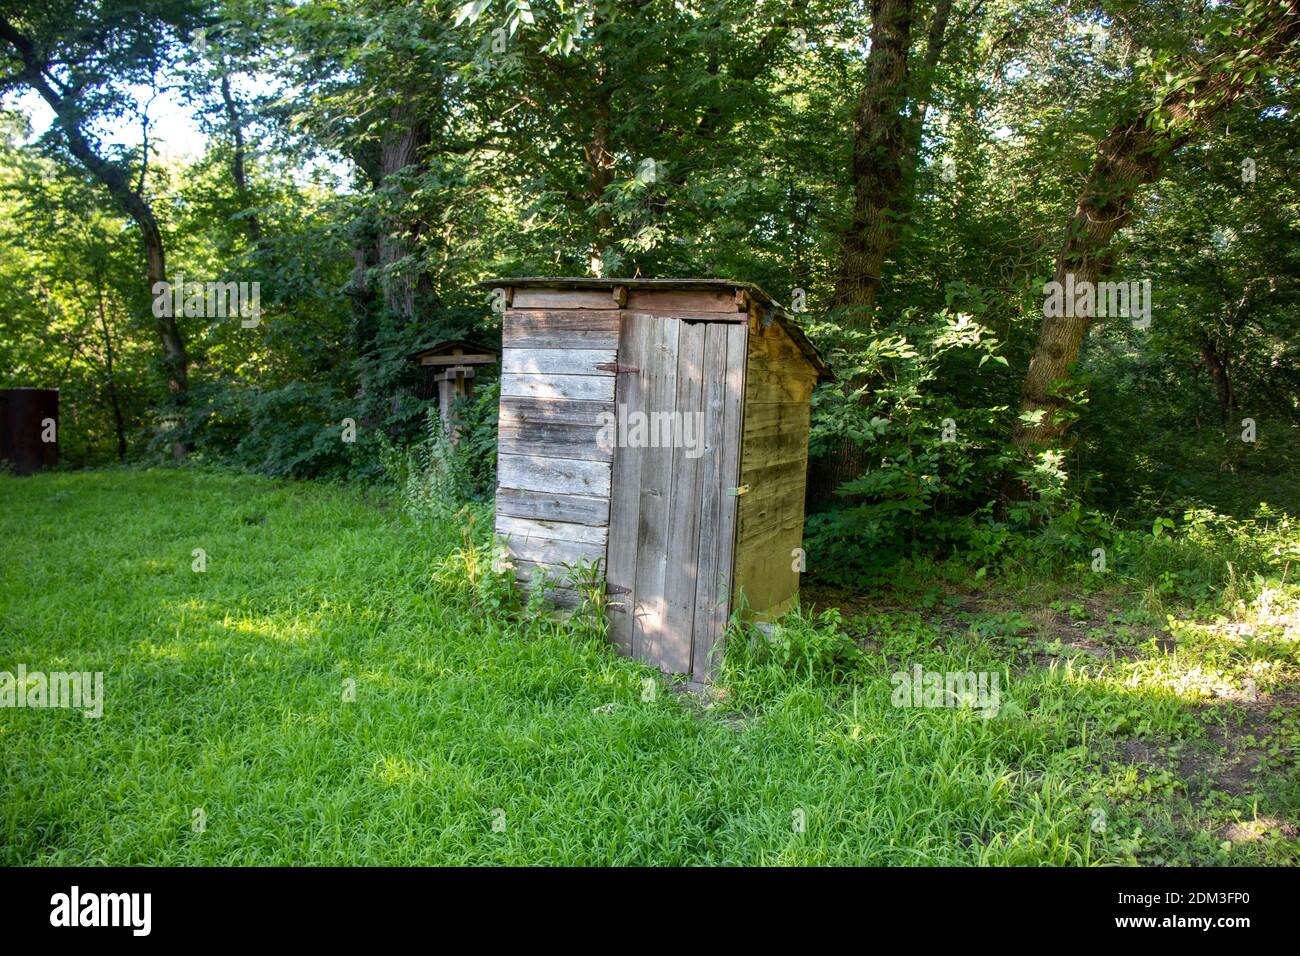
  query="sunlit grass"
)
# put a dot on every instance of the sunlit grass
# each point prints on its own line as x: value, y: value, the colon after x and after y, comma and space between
x: 481, y: 733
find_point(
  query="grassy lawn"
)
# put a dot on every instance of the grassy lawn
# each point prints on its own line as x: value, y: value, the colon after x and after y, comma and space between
x: 486, y: 733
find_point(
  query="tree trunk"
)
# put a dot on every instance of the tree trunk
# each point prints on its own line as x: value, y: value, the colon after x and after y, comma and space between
x: 235, y: 121
x: 600, y: 173
x: 885, y: 150
x: 877, y: 170
x: 406, y: 286
x: 1217, y: 364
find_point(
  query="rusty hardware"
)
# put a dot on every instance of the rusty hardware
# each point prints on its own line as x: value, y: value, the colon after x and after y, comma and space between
x: 737, y: 492
x: 616, y: 367
x: 617, y: 589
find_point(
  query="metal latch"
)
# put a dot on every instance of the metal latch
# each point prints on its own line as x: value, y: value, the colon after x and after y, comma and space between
x: 737, y: 492
x: 616, y: 368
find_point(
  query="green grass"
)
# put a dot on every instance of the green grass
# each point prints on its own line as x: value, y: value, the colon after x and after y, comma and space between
x: 224, y: 691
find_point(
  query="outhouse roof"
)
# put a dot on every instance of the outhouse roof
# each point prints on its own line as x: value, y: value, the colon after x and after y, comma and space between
x: 777, y: 311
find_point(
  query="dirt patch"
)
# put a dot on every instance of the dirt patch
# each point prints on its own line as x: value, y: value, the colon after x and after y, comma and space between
x: 1258, y: 830
x: 849, y: 603
x: 1231, y: 757
x: 1141, y: 752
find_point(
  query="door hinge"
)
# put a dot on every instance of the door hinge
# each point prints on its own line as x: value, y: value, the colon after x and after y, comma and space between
x: 738, y: 491
x: 616, y: 368
x: 616, y: 589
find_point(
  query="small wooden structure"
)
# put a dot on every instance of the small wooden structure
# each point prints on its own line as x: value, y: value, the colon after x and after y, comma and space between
x: 656, y: 429
x: 453, y: 365
x: 29, y: 421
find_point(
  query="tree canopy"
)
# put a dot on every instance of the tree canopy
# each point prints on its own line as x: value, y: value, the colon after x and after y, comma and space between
x: 913, y: 174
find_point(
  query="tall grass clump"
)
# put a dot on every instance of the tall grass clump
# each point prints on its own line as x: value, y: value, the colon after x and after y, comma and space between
x: 439, y: 475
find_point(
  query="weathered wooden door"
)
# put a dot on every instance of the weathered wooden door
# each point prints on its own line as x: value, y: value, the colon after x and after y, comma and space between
x: 672, y: 503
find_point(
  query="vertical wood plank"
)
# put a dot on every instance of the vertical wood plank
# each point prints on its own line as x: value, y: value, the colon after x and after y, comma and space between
x: 704, y: 661
x: 682, y: 554
x: 712, y: 493
x: 625, y: 494
x: 659, y: 379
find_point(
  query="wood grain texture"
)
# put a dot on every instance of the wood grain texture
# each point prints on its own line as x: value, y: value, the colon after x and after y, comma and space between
x: 682, y: 547
x: 722, y: 395
x: 774, y: 464
x: 518, y: 410
x: 551, y: 506
x: 563, y: 299
x: 556, y: 583
x: 659, y: 379
x: 555, y: 553
x: 736, y: 415
x: 579, y: 329
x: 520, y: 529
x: 573, y: 361
x: 554, y: 475
x: 625, y: 494
x: 669, y: 302
x: 597, y: 388
x: 459, y: 360
x: 554, y: 441
x: 765, y: 385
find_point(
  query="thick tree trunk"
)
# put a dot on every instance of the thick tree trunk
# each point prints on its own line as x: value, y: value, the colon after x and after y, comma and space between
x: 877, y: 169
x: 406, y: 286
x: 886, y: 145
x: 1131, y: 156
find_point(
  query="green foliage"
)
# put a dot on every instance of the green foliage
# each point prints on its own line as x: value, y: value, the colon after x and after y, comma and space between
x: 928, y: 452
x: 762, y: 660
x: 437, y: 475
x: 395, y: 154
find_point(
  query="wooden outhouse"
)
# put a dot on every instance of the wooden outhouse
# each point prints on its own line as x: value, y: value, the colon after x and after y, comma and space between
x: 657, y: 430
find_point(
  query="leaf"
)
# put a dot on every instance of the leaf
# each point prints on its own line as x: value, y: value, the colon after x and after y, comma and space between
x: 471, y: 11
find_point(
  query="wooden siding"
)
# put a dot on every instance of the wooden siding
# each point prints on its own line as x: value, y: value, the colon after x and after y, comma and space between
x: 774, y: 463
x: 553, y: 472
